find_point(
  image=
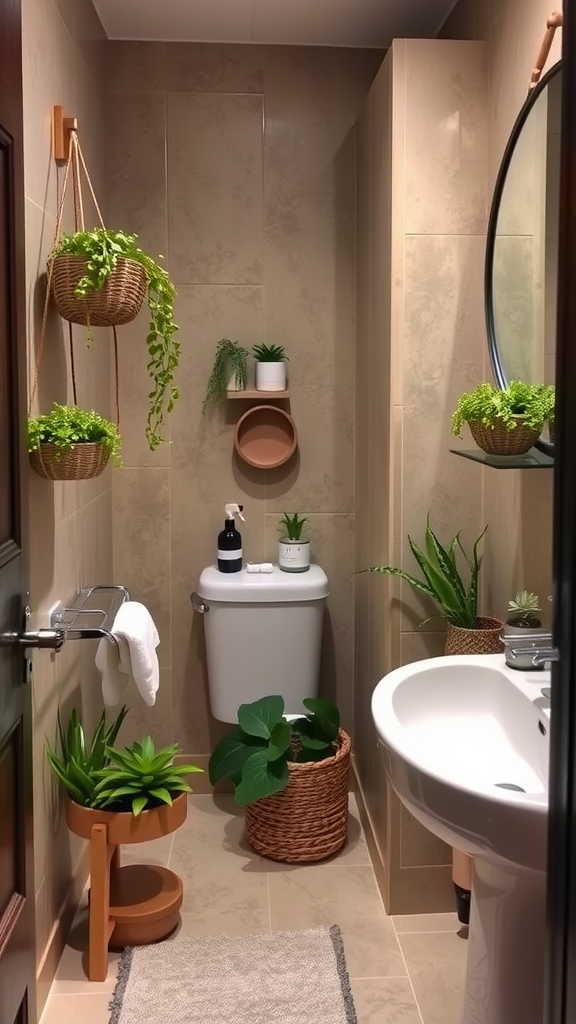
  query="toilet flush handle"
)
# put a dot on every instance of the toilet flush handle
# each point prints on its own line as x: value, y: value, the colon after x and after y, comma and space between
x: 198, y: 604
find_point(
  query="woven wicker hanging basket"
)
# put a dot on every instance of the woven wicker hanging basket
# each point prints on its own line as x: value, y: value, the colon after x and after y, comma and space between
x: 118, y: 302
x: 498, y: 440
x: 308, y: 821
x: 486, y: 639
x: 82, y: 462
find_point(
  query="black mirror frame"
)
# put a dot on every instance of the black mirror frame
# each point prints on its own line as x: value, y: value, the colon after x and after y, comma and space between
x: 497, y: 368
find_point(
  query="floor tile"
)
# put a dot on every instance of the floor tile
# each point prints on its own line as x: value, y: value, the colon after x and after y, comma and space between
x: 212, y: 837
x: 385, y: 1001
x: 426, y: 923
x: 436, y: 963
x: 225, y: 901
x: 156, y: 852
x: 308, y: 897
x: 71, y: 976
x: 89, y: 1009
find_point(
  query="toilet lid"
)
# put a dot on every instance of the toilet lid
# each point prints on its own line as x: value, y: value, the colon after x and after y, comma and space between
x: 262, y: 588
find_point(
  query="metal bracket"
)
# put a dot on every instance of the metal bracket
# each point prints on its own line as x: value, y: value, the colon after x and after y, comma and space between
x: 198, y: 604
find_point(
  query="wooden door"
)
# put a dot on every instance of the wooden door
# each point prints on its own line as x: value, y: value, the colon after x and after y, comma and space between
x: 17, y: 960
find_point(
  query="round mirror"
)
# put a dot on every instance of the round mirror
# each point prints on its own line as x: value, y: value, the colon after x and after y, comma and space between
x: 522, y: 244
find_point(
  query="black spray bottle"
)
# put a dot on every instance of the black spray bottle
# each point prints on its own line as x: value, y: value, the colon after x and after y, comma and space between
x: 230, y: 542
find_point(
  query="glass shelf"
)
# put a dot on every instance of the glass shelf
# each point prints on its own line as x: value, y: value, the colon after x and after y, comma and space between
x: 533, y: 459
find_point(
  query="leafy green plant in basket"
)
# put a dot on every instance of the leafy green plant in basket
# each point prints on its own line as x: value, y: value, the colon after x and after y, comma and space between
x: 443, y: 581
x: 532, y: 403
x: 79, y: 762
x: 141, y: 776
x: 103, y: 248
x: 255, y: 755
x: 229, y: 364
x: 66, y: 426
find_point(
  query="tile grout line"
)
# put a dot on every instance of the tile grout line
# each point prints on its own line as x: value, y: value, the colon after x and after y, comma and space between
x: 408, y: 972
x: 269, y: 901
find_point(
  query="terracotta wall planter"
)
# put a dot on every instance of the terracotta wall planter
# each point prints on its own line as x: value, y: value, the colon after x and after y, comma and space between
x: 484, y: 640
x: 123, y: 827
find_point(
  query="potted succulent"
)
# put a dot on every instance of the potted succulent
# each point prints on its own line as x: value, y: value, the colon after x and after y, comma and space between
x: 69, y: 443
x: 270, y: 367
x: 505, y: 422
x: 99, y: 278
x: 228, y: 372
x: 293, y: 551
x: 467, y: 632
x: 291, y: 774
x: 522, y: 613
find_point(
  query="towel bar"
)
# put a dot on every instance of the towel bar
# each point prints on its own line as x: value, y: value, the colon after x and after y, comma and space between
x: 65, y: 618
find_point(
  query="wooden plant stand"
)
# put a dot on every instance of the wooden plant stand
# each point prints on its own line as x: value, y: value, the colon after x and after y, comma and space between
x: 133, y: 905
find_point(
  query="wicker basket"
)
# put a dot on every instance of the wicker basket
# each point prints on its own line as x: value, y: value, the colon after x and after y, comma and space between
x: 500, y: 441
x: 308, y: 821
x: 486, y: 639
x: 82, y: 462
x: 118, y: 302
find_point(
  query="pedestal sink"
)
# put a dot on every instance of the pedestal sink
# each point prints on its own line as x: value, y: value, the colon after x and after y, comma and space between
x: 466, y: 749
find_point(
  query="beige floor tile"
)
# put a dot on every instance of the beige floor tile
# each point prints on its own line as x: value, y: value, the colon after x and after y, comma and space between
x: 425, y: 923
x: 385, y: 1001
x: 71, y: 976
x: 156, y: 852
x: 213, y: 837
x: 225, y: 901
x: 436, y: 964
x: 308, y: 897
x: 87, y: 1009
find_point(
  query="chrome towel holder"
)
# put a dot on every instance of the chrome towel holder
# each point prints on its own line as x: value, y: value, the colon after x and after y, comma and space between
x: 71, y: 620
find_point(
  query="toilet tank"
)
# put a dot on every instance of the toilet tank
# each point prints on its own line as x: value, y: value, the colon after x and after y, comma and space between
x: 263, y: 636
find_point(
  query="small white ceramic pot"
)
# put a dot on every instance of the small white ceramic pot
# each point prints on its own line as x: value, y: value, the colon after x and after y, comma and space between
x: 294, y: 555
x: 271, y: 376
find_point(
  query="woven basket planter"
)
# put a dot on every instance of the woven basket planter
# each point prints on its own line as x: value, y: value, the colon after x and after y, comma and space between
x: 484, y: 640
x: 500, y: 441
x: 82, y: 462
x: 118, y: 302
x: 308, y: 821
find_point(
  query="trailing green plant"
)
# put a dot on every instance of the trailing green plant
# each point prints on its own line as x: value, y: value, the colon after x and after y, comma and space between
x: 66, y: 426
x: 103, y: 248
x: 229, y: 361
x: 521, y: 611
x: 292, y: 525
x: 141, y: 776
x: 534, y: 403
x: 443, y: 581
x: 269, y: 354
x: 255, y: 756
x: 79, y: 763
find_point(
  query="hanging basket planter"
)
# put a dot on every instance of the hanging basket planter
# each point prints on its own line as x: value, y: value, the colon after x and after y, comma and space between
x: 498, y: 440
x: 118, y: 301
x: 82, y: 462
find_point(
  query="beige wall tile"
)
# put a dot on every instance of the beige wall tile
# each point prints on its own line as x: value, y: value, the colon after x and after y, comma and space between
x: 421, y: 644
x: 418, y: 846
x: 214, y: 67
x: 215, y: 188
x: 136, y: 66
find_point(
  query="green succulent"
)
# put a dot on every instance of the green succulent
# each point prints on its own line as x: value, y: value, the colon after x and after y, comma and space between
x: 292, y: 525
x: 229, y: 361
x: 103, y: 248
x: 522, y: 610
x: 140, y: 776
x: 79, y: 763
x: 269, y: 354
x: 533, y: 402
x: 66, y: 426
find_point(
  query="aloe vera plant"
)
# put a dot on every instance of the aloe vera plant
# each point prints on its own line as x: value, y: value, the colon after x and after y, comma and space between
x: 443, y: 581
x: 79, y: 762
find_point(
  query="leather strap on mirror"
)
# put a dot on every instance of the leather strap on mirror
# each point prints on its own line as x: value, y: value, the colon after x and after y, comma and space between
x: 554, y: 21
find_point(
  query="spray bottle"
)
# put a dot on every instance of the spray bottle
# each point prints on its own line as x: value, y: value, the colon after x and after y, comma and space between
x: 230, y: 541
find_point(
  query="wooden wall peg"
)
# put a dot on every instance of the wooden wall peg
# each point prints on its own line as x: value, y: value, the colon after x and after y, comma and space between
x: 61, y: 128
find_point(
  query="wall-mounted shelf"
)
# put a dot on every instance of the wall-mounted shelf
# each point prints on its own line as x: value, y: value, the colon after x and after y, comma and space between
x: 533, y: 459
x: 251, y: 395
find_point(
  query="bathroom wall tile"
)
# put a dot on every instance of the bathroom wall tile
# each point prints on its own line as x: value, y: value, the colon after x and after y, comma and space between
x: 422, y: 644
x: 215, y: 188
x: 418, y: 846
x: 448, y: 142
x: 214, y: 67
x: 142, y: 544
x: 136, y: 66
x: 436, y: 963
x: 426, y: 923
x: 134, y: 387
x: 385, y: 1001
x: 320, y: 895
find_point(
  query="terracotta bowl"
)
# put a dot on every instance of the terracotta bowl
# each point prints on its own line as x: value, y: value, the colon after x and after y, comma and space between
x: 265, y: 437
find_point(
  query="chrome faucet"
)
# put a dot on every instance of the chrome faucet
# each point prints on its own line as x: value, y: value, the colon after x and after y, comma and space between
x: 531, y: 651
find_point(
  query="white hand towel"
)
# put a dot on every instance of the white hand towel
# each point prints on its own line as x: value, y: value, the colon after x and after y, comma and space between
x: 133, y: 654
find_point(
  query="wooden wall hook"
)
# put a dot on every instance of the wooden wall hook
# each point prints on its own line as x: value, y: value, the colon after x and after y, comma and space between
x: 61, y: 128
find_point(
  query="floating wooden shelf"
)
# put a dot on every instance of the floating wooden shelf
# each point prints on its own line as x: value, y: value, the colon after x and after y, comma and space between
x: 260, y: 396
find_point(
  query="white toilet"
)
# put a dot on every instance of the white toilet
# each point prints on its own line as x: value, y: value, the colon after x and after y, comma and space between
x: 263, y: 636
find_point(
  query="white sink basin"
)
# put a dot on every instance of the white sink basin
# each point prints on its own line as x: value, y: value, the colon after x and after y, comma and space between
x: 453, y: 731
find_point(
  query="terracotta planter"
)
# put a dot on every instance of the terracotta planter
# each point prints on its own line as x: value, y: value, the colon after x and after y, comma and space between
x: 498, y: 440
x: 123, y: 827
x: 486, y: 639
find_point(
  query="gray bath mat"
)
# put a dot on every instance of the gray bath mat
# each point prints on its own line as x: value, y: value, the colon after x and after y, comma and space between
x: 278, y: 978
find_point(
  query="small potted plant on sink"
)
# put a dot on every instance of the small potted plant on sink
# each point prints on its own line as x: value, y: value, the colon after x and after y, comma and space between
x: 293, y: 550
x: 522, y: 613
x: 228, y: 371
x: 270, y: 367
x: 504, y: 422
x: 69, y: 443
x: 291, y: 774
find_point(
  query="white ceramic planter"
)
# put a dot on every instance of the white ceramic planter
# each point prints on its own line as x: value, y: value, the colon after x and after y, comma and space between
x: 294, y: 555
x: 271, y: 376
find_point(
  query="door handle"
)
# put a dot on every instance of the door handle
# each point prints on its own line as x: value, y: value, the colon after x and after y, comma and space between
x: 41, y: 639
